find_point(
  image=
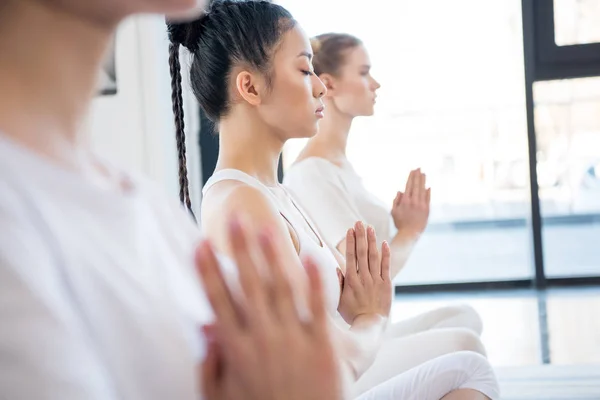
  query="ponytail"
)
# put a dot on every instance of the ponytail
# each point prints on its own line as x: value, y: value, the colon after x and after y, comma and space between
x: 177, y: 99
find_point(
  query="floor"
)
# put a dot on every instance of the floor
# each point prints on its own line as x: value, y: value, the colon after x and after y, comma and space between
x: 550, y: 382
x: 544, y: 345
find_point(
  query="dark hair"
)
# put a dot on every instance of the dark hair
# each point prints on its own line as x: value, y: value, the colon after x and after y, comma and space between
x: 228, y: 33
x: 330, y: 50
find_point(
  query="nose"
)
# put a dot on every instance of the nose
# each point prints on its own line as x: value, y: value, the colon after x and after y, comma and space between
x: 319, y: 88
x: 376, y: 84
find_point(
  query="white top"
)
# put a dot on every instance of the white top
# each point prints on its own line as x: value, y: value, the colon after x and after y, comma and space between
x: 336, y: 198
x: 308, y: 237
x: 98, y: 295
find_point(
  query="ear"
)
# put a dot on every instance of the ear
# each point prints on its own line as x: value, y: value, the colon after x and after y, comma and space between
x: 329, y: 81
x: 250, y: 87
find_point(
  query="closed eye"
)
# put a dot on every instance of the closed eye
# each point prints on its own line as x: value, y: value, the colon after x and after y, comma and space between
x: 307, y: 73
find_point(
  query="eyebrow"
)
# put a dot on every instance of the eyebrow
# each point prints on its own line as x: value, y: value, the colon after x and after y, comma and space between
x: 306, y: 54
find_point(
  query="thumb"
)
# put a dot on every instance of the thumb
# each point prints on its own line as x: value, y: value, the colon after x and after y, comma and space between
x: 398, y: 199
x: 210, y: 371
x: 340, y: 277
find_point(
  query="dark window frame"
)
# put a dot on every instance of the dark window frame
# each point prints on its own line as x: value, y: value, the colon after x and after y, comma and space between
x: 559, y: 62
x: 543, y: 60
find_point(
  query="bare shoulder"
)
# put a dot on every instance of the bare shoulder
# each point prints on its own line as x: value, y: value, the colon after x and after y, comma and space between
x: 229, y: 198
x: 232, y: 198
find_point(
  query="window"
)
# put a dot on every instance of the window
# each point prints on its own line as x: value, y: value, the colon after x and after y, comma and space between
x: 576, y: 22
x: 453, y: 104
x: 567, y: 121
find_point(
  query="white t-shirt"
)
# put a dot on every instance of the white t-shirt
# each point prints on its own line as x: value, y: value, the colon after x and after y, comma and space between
x: 335, y: 198
x: 98, y: 295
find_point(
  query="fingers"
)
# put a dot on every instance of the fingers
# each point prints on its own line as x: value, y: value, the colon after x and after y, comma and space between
x: 417, y: 184
x: 423, y: 197
x: 428, y: 196
x: 362, y: 251
x: 385, y: 261
x: 216, y: 289
x: 409, y: 184
x: 374, y: 265
x: 351, y: 260
x: 282, y: 298
x: 316, y: 296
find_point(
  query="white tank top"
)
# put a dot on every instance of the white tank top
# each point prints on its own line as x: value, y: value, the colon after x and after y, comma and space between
x: 299, y: 221
x: 336, y: 198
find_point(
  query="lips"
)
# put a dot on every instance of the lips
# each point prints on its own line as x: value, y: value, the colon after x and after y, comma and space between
x: 320, y: 110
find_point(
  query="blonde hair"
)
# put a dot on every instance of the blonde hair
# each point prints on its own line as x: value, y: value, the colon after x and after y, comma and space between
x: 315, y: 43
x: 330, y: 50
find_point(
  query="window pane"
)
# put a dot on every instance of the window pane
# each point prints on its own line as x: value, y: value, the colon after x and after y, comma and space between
x: 567, y: 119
x: 453, y: 103
x: 576, y: 22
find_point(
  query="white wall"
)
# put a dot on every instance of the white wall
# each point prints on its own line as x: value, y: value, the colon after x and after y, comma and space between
x: 135, y: 127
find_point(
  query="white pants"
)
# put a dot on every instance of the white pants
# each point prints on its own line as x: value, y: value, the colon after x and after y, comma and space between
x: 438, y: 377
x: 415, y: 341
x: 460, y: 316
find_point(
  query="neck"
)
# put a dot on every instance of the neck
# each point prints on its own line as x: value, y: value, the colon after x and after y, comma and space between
x: 48, y: 72
x: 247, y: 144
x: 333, y: 131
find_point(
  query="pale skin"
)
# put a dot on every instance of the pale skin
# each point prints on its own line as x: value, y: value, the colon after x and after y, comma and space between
x: 265, y: 328
x: 351, y: 93
x: 46, y: 91
x: 252, y: 136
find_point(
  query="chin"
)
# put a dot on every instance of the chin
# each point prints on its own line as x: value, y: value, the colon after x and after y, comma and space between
x: 368, y: 110
x: 307, y: 133
x: 311, y: 133
x: 369, y: 113
x: 366, y: 113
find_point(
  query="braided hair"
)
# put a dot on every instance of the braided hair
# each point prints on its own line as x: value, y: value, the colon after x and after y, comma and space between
x: 177, y: 99
x: 229, y: 32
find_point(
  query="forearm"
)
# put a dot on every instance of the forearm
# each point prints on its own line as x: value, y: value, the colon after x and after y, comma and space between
x: 363, y: 341
x: 401, y: 247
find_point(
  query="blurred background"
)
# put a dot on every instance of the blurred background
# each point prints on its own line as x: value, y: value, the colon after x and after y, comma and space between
x: 498, y: 101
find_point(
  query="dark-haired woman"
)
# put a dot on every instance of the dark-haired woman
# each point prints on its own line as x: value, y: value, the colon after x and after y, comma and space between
x: 99, y: 298
x: 252, y: 75
x: 326, y: 185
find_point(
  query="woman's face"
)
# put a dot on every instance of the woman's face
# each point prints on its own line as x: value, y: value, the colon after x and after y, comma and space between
x: 115, y: 10
x: 293, y: 105
x: 354, y: 90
